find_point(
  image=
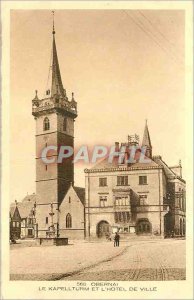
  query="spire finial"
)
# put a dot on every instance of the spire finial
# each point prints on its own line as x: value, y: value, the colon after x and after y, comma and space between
x: 147, y: 141
x: 53, y: 21
x: 56, y: 86
x: 146, y: 121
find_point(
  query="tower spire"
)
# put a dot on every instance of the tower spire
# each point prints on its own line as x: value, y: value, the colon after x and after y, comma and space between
x: 57, y: 85
x: 53, y: 22
x: 147, y: 141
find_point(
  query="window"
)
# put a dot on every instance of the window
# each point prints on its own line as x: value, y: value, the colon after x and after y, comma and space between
x: 142, y: 180
x: 65, y: 124
x: 180, y: 202
x: 103, y: 181
x: 122, y: 180
x: 69, y: 199
x: 46, y: 220
x: 46, y: 125
x: 116, y: 217
x: 119, y: 201
x: 103, y: 201
x: 183, y: 205
x: 122, y: 217
x: 128, y: 216
x: 68, y: 221
x: 143, y: 226
x: 29, y: 231
x: 142, y: 199
x: 46, y: 167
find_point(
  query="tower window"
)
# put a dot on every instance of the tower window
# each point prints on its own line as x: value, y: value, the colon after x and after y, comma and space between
x: 65, y: 124
x: 46, y: 125
x: 46, y: 220
x: 68, y: 221
x: 69, y: 199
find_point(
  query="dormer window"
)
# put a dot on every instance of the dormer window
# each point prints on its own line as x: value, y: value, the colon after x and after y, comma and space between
x: 65, y: 124
x: 46, y: 125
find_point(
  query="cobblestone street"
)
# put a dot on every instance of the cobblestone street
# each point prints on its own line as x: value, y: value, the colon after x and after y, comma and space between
x: 133, y: 260
x: 164, y: 260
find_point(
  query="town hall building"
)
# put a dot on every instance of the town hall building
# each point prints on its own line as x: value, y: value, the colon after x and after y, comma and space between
x: 135, y: 198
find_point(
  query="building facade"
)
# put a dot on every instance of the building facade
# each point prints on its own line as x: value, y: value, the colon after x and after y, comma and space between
x: 14, y: 222
x: 72, y: 217
x: 25, y: 212
x: 135, y: 198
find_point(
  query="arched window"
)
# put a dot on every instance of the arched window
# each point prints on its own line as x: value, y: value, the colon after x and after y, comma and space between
x: 68, y: 221
x: 65, y: 124
x: 143, y: 226
x: 46, y: 125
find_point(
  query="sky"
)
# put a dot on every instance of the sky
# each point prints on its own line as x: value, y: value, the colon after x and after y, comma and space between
x: 123, y: 66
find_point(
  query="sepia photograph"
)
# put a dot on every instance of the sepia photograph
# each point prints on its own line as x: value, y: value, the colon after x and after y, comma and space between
x: 97, y: 156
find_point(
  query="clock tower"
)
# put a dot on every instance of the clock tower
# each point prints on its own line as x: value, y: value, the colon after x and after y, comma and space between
x: 54, y: 115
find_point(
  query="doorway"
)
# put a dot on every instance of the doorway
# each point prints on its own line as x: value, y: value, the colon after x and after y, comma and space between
x: 143, y: 226
x: 103, y: 229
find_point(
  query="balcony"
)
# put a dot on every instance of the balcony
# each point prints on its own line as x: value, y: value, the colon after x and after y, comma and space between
x: 49, y: 104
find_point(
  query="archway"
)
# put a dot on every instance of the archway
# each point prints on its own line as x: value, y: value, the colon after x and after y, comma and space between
x: 143, y: 226
x: 103, y: 229
x: 168, y: 224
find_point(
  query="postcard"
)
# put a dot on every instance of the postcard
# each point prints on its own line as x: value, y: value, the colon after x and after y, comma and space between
x: 97, y: 150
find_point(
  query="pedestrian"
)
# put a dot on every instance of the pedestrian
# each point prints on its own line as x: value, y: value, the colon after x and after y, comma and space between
x: 116, y: 239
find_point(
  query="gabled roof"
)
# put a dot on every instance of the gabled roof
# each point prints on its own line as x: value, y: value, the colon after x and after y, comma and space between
x: 80, y: 193
x: 25, y: 207
x: 170, y: 174
x: 104, y: 163
x: 12, y: 210
x: 30, y: 198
